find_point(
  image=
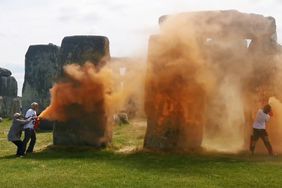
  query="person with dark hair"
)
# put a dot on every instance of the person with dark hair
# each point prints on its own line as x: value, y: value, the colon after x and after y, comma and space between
x: 29, y: 132
x: 15, y: 132
x: 259, y: 129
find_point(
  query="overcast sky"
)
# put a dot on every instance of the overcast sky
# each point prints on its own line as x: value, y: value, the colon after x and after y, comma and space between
x: 127, y: 23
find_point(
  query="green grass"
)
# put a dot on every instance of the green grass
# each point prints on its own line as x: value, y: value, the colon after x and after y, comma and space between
x: 122, y: 165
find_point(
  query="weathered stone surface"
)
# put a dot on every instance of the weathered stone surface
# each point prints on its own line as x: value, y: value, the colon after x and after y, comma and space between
x: 79, y: 49
x: 166, y: 124
x: 8, y: 86
x: 247, y: 26
x: 41, y: 69
x: 9, y: 103
x: 84, y: 129
x: 170, y: 112
x: 9, y: 106
x: 5, y: 72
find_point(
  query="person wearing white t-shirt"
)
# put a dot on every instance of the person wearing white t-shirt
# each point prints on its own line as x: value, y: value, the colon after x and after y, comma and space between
x: 29, y: 132
x: 262, y: 117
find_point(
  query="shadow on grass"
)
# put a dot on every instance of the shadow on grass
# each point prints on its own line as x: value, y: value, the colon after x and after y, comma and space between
x: 146, y: 160
x: 141, y: 161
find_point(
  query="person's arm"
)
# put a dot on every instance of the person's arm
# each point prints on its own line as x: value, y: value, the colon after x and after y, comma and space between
x: 267, y: 118
x: 23, y: 121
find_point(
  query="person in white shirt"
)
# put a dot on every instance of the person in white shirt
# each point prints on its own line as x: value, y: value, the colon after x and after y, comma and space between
x: 259, y: 131
x: 29, y: 132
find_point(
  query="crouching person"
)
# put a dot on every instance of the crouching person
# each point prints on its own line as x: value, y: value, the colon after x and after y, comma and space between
x: 15, y: 132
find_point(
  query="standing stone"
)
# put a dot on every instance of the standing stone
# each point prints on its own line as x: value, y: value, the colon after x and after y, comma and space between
x: 8, y: 86
x: 231, y: 29
x: 79, y: 49
x: 171, y: 114
x: 84, y: 129
x: 5, y: 72
x: 41, y: 69
x: 9, y: 102
x: 9, y: 106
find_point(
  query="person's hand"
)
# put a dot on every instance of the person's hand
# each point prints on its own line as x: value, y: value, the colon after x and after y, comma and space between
x: 270, y: 113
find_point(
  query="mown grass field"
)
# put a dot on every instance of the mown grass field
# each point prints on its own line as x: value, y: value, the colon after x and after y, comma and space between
x: 124, y: 164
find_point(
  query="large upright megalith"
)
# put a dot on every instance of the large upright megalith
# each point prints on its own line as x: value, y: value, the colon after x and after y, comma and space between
x: 83, y: 127
x: 41, y: 70
x: 9, y: 102
x: 79, y: 49
x: 181, y: 110
x: 8, y: 84
x: 173, y: 102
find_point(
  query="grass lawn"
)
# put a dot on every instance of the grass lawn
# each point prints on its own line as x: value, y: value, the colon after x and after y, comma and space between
x: 123, y: 164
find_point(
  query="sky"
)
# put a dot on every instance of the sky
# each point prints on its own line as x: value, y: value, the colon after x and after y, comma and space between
x: 127, y: 23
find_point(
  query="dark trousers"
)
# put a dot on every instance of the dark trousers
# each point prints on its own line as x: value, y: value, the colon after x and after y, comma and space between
x: 19, y: 144
x: 260, y: 133
x: 29, y: 134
